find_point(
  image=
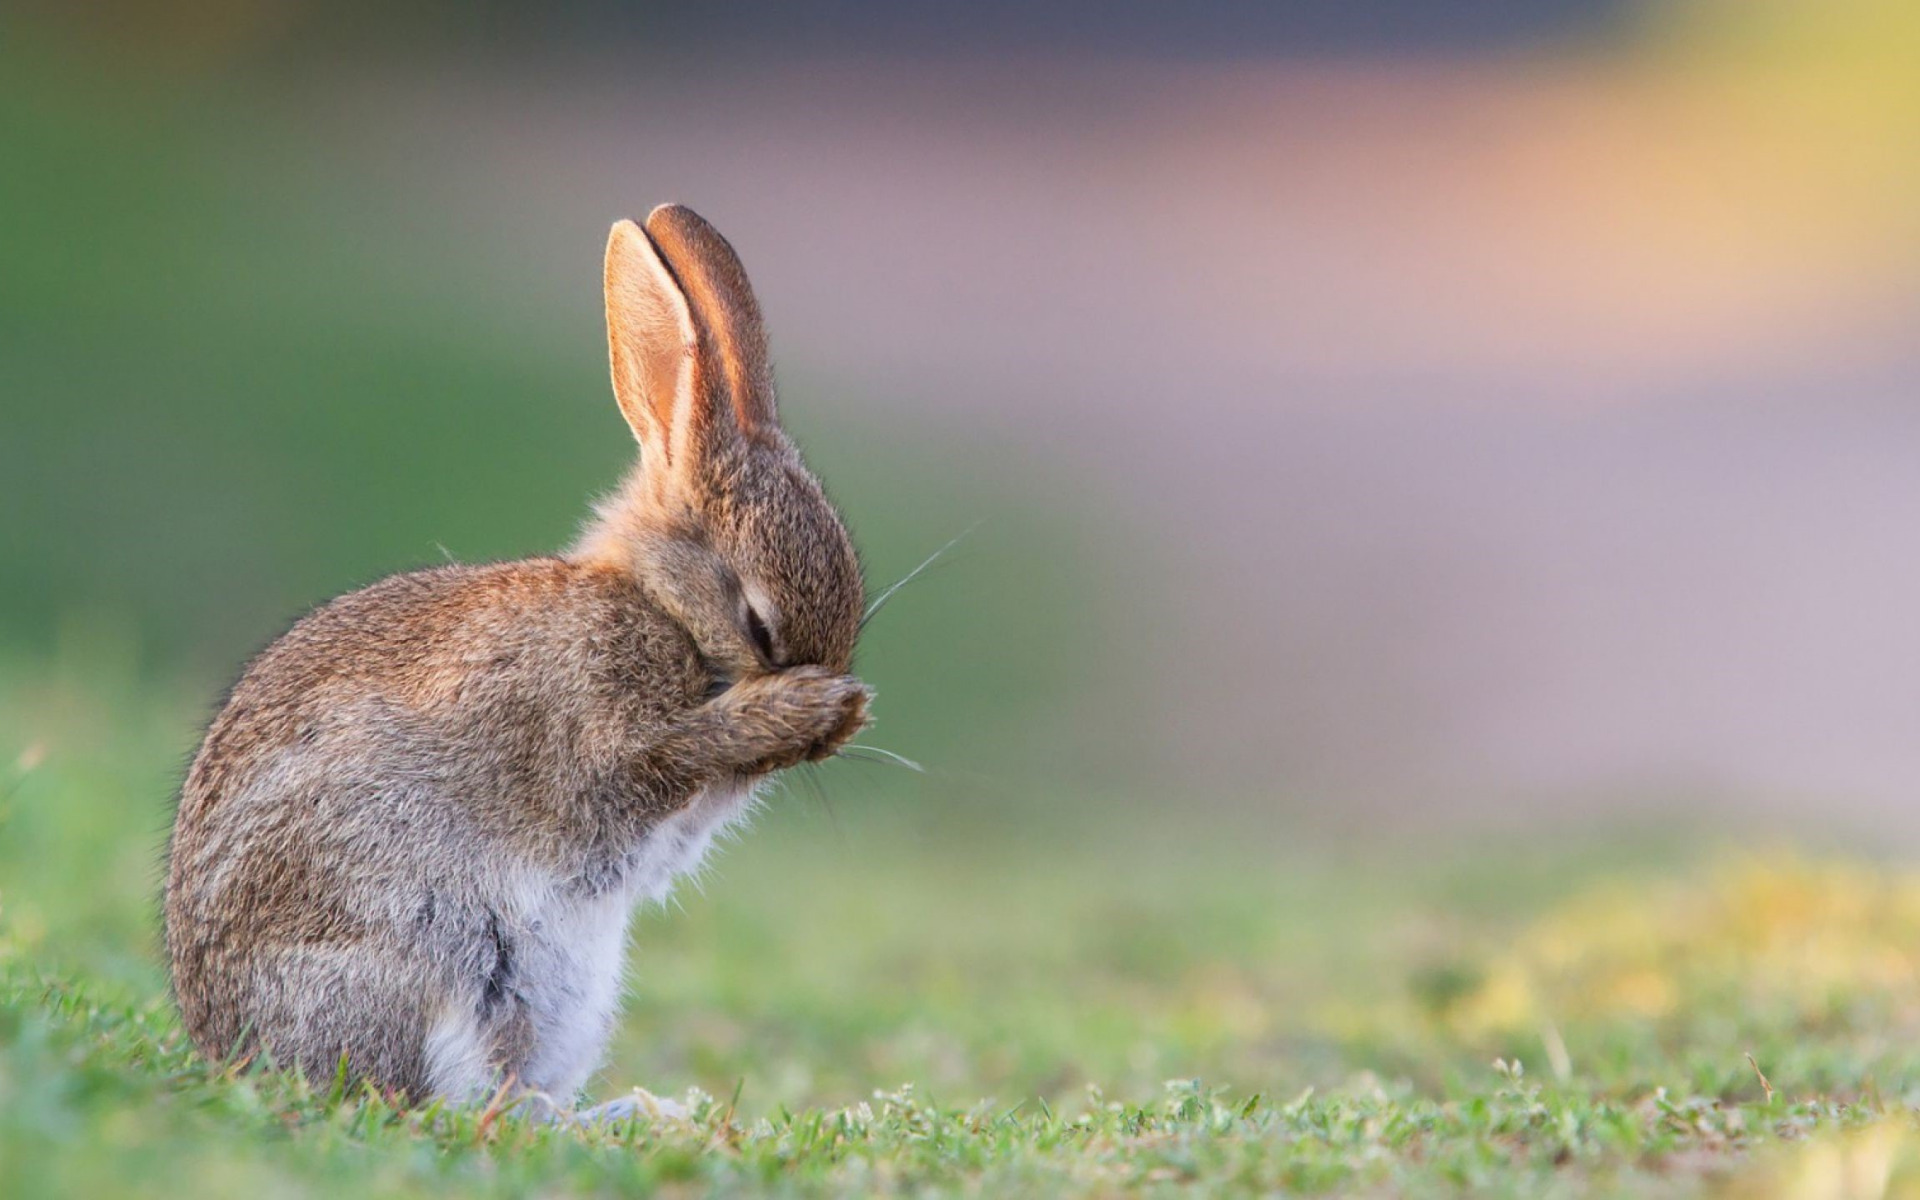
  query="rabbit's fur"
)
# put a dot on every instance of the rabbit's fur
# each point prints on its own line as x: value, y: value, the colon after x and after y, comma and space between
x: 412, y: 837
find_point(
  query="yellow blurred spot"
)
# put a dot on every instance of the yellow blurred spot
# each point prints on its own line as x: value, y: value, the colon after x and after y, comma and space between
x: 1774, y: 930
x: 1880, y: 1161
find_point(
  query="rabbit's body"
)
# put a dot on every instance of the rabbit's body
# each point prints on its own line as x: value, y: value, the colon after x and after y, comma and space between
x: 508, y: 854
x: 412, y: 838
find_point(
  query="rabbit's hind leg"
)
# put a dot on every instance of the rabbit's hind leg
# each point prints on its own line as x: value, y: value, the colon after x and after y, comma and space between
x: 322, y: 1006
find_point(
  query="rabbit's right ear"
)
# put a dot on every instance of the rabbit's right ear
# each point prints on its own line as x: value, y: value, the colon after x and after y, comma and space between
x: 651, y: 340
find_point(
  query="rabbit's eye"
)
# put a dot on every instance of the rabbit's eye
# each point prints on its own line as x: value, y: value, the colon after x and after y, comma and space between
x: 761, y: 635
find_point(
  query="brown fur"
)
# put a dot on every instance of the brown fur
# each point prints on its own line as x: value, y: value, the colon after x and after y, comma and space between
x: 349, y: 836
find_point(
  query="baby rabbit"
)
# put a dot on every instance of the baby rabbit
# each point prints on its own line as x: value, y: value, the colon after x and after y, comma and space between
x: 412, y: 838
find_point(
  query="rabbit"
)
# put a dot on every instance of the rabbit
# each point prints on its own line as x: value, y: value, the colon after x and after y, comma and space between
x: 409, y: 845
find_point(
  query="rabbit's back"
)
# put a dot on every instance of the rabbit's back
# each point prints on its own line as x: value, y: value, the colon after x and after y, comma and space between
x: 397, y: 783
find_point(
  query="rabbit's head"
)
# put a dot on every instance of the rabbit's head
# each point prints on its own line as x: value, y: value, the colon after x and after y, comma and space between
x: 722, y: 522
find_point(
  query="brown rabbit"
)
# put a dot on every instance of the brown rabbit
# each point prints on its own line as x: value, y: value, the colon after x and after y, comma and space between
x: 412, y: 838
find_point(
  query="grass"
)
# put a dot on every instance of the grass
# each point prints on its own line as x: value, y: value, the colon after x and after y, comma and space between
x: 116, y: 1073
x: 905, y: 995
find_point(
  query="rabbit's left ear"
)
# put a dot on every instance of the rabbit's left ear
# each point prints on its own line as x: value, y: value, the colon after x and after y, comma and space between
x: 735, y: 368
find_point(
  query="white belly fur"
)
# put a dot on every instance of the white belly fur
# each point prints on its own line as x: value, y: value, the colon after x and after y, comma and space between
x: 571, y: 955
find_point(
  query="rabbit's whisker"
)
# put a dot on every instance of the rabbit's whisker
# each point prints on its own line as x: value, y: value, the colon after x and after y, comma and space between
x: 810, y: 773
x: 877, y: 755
x: 880, y: 601
x: 808, y: 776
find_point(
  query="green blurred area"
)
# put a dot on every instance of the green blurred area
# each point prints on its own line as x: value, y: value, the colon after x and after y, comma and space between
x: 242, y: 371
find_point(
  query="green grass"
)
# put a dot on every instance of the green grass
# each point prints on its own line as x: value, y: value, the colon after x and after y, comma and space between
x: 905, y: 993
x: 153, y: 1121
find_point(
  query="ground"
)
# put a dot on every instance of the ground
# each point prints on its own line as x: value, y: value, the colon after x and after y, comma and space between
x: 1066, y: 999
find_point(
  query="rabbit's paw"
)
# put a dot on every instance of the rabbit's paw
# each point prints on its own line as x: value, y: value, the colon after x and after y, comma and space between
x: 637, y: 1105
x: 799, y: 715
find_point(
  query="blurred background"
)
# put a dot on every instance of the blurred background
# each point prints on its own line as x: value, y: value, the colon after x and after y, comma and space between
x: 1375, y: 416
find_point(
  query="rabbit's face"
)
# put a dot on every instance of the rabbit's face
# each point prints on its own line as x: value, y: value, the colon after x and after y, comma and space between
x: 729, y: 530
x: 757, y: 566
x: 799, y: 575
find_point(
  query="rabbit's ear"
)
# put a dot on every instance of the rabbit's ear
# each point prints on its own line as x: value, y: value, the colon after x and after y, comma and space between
x: 734, y: 366
x: 651, y: 340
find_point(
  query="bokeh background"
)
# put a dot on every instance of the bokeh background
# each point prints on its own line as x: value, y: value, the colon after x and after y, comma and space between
x: 1376, y: 421
x: 1380, y: 409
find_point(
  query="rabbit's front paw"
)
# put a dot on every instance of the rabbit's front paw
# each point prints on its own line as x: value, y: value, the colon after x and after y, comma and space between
x: 799, y: 715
